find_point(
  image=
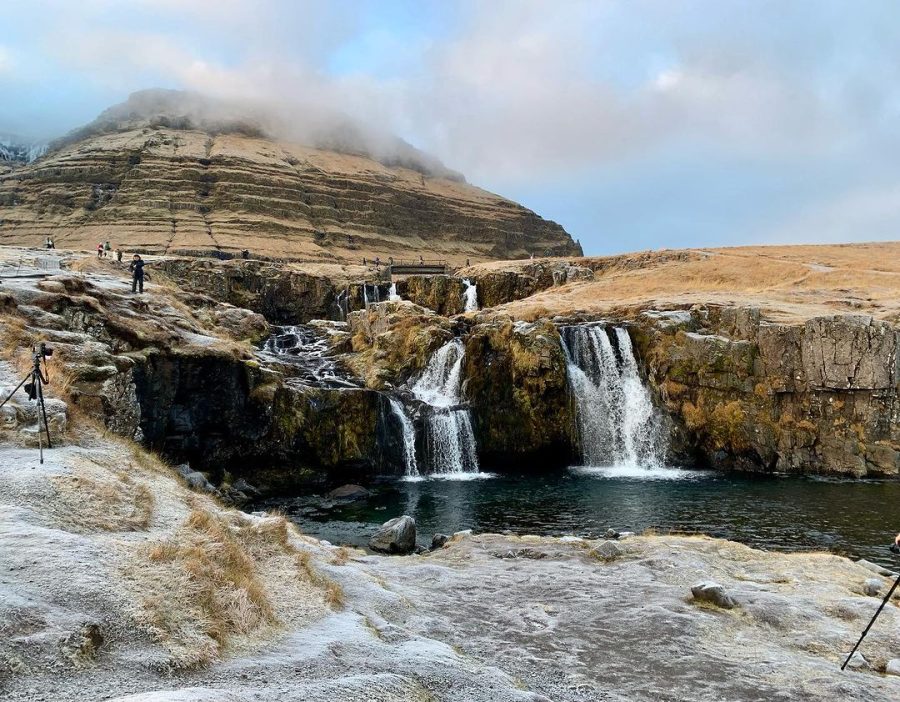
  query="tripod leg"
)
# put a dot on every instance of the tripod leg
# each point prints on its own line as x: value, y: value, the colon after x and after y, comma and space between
x: 40, y: 389
x: 866, y: 631
x: 9, y: 397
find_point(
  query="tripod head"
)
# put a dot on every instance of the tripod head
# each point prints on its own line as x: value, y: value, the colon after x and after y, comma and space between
x: 38, y: 353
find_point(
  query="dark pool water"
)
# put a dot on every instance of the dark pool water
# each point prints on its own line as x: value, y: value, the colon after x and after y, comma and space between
x: 854, y: 518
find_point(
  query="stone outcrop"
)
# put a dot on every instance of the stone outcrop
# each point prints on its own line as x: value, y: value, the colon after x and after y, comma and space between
x: 150, y: 179
x: 280, y: 293
x: 497, y: 287
x: 441, y: 293
x: 817, y: 397
x: 393, y: 341
x: 517, y: 389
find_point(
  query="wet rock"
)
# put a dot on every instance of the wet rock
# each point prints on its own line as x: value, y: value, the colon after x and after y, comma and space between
x: 712, y: 592
x: 612, y: 534
x: 396, y: 536
x: 517, y: 388
x: 246, y: 488
x: 438, y: 541
x: 872, y: 587
x: 349, y: 493
x: 607, y: 551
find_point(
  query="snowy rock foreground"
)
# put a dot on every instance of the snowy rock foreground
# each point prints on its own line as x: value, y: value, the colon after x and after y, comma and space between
x: 118, y: 582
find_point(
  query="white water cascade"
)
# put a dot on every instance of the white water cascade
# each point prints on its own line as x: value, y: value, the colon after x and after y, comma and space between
x: 408, y: 436
x: 617, y: 422
x: 470, y: 296
x: 392, y: 293
x: 449, y: 438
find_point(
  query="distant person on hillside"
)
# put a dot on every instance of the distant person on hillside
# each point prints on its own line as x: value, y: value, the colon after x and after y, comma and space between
x: 421, y: 261
x: 467, y: 263
x: 245, y: 254
x: 50, y: 244
x: 377, y: 262
x: 137, y: 274
x: 119, y: 255
x: 364, y: 260
x: 106, y: 248
x: 99, y: 250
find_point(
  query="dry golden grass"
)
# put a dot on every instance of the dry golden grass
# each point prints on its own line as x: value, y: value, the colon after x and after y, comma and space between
x: 223, y: 581
x: 98, y: 498
x: 787, y: 282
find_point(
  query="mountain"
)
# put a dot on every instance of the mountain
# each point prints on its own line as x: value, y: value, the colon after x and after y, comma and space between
x: 175, y: 172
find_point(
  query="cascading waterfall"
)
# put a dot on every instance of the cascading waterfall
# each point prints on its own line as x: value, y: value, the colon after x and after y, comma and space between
x: 365, y: 295
x: 408, y: 433
x: 392, y: 293
x: 617, y: 422
x: 449, y: 439
x: 470, y: 296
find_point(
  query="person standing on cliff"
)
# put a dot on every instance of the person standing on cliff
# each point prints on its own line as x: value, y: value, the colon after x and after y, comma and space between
x: 137, y: 274
x: 100, y: 250
x: 119, y: 255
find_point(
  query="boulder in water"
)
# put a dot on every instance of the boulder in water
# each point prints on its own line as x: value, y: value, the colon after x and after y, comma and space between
x: 438, y: 541
x: 397, y: 535
x: 349, y: 493
x: 712, y: 592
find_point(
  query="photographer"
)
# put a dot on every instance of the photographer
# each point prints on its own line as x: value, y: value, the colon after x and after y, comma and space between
x: 137, y: 274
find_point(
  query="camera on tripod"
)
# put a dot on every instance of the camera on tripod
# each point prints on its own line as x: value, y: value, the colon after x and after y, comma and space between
x: 38, y: 353
x: 33, y: 385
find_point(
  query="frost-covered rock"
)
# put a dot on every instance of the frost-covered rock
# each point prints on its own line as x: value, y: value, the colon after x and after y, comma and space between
x: 607, y: 551
x: 712, y: 592
x: 397, y: 535
x: 872, y: 587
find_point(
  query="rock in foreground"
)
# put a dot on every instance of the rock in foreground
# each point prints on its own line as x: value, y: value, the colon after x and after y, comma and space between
x: 397, y: 535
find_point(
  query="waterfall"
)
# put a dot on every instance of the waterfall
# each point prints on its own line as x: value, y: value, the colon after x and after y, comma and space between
x: 392, y: 293
x: 470, y: 296
x: 408, y: 436
x: 449, y: 439
x: 365, y: 295
x: 617, y: 422
x: 438, y: 385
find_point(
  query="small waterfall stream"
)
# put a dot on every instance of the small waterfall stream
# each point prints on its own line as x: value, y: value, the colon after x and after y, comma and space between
x: 470, y: 296
x: 392, y: 293
x: 449, y: 439
x: 617, y: 422
x: 409, y: 438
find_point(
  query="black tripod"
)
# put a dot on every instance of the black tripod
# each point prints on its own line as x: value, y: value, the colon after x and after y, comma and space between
x: 35, y: 391
x: 866, y: 631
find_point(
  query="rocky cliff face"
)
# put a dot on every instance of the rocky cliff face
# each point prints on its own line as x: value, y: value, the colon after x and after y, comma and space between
x: 819, y: 397
x: 176, y: 369
x: 153, y: 179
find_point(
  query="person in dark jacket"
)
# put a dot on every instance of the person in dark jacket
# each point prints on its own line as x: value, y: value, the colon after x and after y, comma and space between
x: 137, y: 274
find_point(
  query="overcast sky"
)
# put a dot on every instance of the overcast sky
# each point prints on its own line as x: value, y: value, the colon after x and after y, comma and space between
x: 635, y: 124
